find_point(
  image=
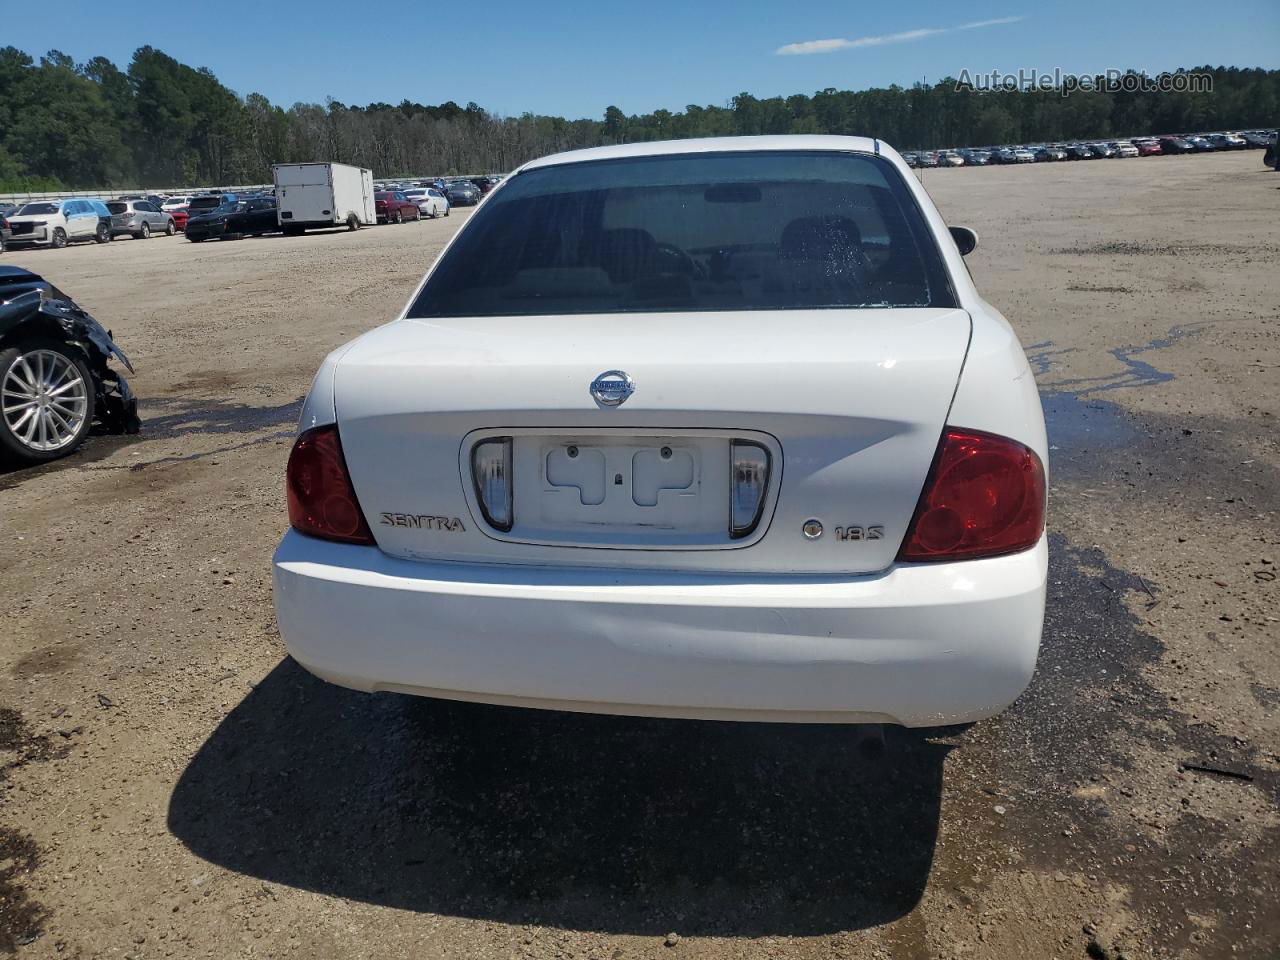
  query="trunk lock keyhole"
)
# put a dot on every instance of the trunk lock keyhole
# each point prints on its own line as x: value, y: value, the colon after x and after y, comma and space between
x: 666, y: 453
x: 617, y: 479
x: 573, y: 452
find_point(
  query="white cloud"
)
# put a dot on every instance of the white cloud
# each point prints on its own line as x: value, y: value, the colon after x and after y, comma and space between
x: 839, y: 43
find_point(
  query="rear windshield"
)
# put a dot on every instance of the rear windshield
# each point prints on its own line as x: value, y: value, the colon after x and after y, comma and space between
x: 775, y: 230
x: 117, y: 207
x: 31, y: 208
x: 205, y: 203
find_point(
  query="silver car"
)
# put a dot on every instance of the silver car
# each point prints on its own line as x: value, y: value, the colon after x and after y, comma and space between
x: 139, y: 219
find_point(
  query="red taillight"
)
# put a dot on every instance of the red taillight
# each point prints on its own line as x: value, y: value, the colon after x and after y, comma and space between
x: 322, y: 502
x: 985, y: 496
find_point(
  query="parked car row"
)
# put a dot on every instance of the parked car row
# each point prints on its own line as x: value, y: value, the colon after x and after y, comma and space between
x: 1092, y: 150
x: 456, y: 191
x: 56, y: 223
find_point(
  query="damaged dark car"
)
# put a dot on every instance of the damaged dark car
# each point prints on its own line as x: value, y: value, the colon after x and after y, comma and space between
x: 55, y: 379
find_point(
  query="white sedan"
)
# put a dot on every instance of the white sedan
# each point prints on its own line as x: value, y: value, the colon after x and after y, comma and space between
x: 430, y: 201
x: 705, y: 429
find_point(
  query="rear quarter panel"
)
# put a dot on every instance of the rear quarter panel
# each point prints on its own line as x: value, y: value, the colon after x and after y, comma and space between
x: 997, y: 390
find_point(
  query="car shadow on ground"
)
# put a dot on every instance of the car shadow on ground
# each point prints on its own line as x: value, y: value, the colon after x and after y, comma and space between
x: 585, y: 822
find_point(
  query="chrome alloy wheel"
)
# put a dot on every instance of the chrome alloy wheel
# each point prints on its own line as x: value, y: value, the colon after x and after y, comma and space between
x: 44, y: 399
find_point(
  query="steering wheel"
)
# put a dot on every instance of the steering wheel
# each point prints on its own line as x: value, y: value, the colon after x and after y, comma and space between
x: 687, y: 265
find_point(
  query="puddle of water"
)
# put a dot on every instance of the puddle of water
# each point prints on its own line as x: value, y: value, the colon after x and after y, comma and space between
x: 1090, y: 711
x: 1136, y: 373
x: 1078, y: 429
x: 1079, y: 422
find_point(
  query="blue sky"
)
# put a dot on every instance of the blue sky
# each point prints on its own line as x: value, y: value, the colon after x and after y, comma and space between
x: 574, y: 59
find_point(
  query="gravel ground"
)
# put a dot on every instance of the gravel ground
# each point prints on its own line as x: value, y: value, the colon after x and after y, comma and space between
x: 172, y: 786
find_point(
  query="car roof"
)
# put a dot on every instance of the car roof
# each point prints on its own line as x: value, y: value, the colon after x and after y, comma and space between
x: 664, y: 148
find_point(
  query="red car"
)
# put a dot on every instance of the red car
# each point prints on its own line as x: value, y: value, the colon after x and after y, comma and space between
x: 180, y: 216
x: 394, y: 207
x: 1147, y: 148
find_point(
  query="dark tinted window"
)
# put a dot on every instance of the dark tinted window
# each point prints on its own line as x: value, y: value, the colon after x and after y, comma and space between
x: 117, y: 206
x: 34, y: 208
x: 694, y: 232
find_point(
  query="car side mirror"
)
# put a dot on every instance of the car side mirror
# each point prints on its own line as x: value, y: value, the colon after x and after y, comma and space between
x: 966, y: 239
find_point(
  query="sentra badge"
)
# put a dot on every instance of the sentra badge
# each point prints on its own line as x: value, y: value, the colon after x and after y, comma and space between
x: 423, y: 521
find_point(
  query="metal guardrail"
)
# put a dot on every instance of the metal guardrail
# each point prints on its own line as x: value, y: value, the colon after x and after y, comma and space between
x: 35, y: 195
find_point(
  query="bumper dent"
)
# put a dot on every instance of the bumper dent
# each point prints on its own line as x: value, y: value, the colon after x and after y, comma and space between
x: 917, y: 645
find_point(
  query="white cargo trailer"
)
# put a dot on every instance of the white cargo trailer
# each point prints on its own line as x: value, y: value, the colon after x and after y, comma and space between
x: 310, y: 195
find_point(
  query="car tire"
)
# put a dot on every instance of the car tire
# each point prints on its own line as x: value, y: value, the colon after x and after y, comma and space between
x: 13, y: 446
x: 59, y: 238
x: 102, y: 234
x: 169, y: 228
x: 398, y: 217
x: 144, y: 232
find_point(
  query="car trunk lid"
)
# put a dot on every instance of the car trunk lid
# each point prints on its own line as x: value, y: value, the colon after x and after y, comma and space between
x: 846, y: 405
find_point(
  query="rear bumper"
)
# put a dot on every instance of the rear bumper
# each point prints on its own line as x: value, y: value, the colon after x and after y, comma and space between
x: 919, y: 645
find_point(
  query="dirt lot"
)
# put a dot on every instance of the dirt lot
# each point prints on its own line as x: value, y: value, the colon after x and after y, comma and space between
x: 173, y: 786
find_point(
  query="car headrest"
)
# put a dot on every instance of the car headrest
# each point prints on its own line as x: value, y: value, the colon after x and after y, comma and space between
x: 827, y: 237
x: 626, y: 253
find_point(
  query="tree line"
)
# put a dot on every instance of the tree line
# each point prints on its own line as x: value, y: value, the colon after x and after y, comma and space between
x: 159, y: 123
